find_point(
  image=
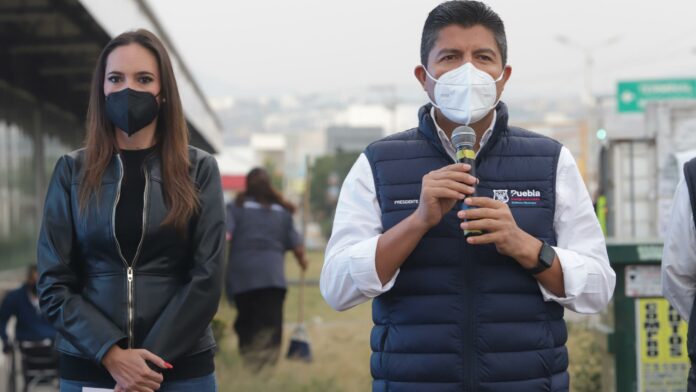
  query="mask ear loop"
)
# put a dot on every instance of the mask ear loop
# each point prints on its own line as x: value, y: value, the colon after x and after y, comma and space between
x: 426, y: 92
x: 501, y: 93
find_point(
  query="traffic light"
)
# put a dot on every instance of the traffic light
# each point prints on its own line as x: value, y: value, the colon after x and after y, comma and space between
x: 601, y: 134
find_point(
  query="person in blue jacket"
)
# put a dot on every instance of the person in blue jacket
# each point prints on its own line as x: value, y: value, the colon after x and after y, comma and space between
x: 261, y: 229
x: 454, y: 312
x: 23, y: 304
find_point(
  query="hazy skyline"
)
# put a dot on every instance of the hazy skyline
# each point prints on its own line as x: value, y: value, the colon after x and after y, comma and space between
x: 274, y: 48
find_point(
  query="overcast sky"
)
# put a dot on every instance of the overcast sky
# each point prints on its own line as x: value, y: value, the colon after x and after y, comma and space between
x: 275, y: 47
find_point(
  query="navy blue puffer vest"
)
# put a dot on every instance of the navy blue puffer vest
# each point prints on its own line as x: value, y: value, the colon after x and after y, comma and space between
x: 462, y: 317
x: 690, y: 179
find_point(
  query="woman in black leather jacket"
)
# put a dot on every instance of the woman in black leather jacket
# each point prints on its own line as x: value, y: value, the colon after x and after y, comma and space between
x: 130, y: 249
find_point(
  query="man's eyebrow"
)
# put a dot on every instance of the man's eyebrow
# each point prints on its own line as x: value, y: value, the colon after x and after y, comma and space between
x: 448, y: 51
x: 486, y: 50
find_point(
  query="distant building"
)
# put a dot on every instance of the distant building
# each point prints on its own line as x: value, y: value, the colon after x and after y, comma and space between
x: 234, y: 163
x: 49, y: 50
x: 350, y: 138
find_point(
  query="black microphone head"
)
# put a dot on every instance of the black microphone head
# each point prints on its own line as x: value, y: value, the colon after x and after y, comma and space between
x: 463, y: 136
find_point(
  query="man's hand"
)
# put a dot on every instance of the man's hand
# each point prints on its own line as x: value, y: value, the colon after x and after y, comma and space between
x: 303, y: 262
x: 441, y: 189
x: 131, y: 372
x: 301, y: 257
x: 495, y: 219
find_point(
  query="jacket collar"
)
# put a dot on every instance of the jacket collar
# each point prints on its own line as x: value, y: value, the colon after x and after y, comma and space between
x: 152, y: 164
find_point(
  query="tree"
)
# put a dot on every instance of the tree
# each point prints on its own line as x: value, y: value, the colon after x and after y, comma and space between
x: 328, y: 173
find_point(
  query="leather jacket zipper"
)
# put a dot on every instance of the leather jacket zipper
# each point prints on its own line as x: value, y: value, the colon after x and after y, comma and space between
x: 130, y: 307
x: 130, y: 271
x: 113, y: 213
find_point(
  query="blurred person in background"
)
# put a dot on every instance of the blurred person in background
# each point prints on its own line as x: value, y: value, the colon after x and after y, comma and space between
x: 22, y: 303
x: 679, y: 259
x: 260, y: 225
x: 130, y: 251
x: 481, y: 312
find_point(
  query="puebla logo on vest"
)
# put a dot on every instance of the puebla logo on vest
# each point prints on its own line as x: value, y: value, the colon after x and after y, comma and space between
x: 525, y: 197
x: 501, y: 195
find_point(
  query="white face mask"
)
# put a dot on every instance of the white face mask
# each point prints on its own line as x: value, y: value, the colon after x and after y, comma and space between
x: 465, y: 94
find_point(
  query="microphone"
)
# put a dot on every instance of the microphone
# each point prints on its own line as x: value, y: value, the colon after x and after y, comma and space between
x: 463, y: 139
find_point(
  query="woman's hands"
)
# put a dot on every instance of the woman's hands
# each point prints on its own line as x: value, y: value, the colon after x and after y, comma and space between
x: 130, y: 370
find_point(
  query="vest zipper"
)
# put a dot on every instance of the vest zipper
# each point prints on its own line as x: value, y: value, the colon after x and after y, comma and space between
x: 469, y: 329
x: 472, y: 296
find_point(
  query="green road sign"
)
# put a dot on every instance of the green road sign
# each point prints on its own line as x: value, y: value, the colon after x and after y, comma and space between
x: 632, y: 96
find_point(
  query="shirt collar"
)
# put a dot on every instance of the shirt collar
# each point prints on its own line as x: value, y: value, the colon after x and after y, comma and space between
x: 447, y: 143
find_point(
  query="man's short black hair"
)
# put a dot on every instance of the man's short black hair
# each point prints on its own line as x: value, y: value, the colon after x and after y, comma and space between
x: 465, y: 14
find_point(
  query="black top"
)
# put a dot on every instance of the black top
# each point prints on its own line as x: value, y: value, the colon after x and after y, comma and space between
x: 129, y: 212
x: 129, y: 229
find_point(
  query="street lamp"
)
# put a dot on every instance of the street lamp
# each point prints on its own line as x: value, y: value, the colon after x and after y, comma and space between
x: 588, y: 52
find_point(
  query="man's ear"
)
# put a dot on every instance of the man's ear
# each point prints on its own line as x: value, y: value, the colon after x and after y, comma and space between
x: 419, y: 73
x: 506, y: 74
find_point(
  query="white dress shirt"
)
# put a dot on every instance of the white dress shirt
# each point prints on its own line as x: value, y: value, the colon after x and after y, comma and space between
x: 349, y: 275
x: 679, y: 254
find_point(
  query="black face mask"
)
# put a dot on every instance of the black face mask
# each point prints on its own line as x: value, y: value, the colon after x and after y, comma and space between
x: 33, y: 289
x: 131, y: 110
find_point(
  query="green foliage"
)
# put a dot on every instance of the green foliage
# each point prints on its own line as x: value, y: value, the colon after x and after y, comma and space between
x: 220, y: 327
x: 275, y: 173
x: 18, y: 250
x: 328, y: 173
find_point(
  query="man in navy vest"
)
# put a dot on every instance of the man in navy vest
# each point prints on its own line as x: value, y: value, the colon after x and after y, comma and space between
x: 481, y: 313
x: 679, y: 259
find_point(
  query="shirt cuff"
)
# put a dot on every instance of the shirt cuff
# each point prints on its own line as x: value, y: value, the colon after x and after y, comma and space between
x: 574, y: 277
x: 363, y: 270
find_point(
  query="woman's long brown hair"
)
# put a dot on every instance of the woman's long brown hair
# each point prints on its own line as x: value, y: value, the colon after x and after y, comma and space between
x: 259, y: 188
x: 171, y: 134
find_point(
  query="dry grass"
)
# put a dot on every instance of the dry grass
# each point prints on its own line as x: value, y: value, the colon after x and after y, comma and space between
x: 339, y: 342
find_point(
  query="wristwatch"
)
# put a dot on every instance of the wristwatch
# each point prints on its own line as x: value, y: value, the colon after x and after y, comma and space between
x: 546, y: 257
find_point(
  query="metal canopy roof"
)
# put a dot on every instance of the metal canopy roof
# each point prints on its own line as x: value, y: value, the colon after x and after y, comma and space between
x: 50, y: 48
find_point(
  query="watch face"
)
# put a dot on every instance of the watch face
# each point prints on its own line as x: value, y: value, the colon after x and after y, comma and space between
x: 547, y: 255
